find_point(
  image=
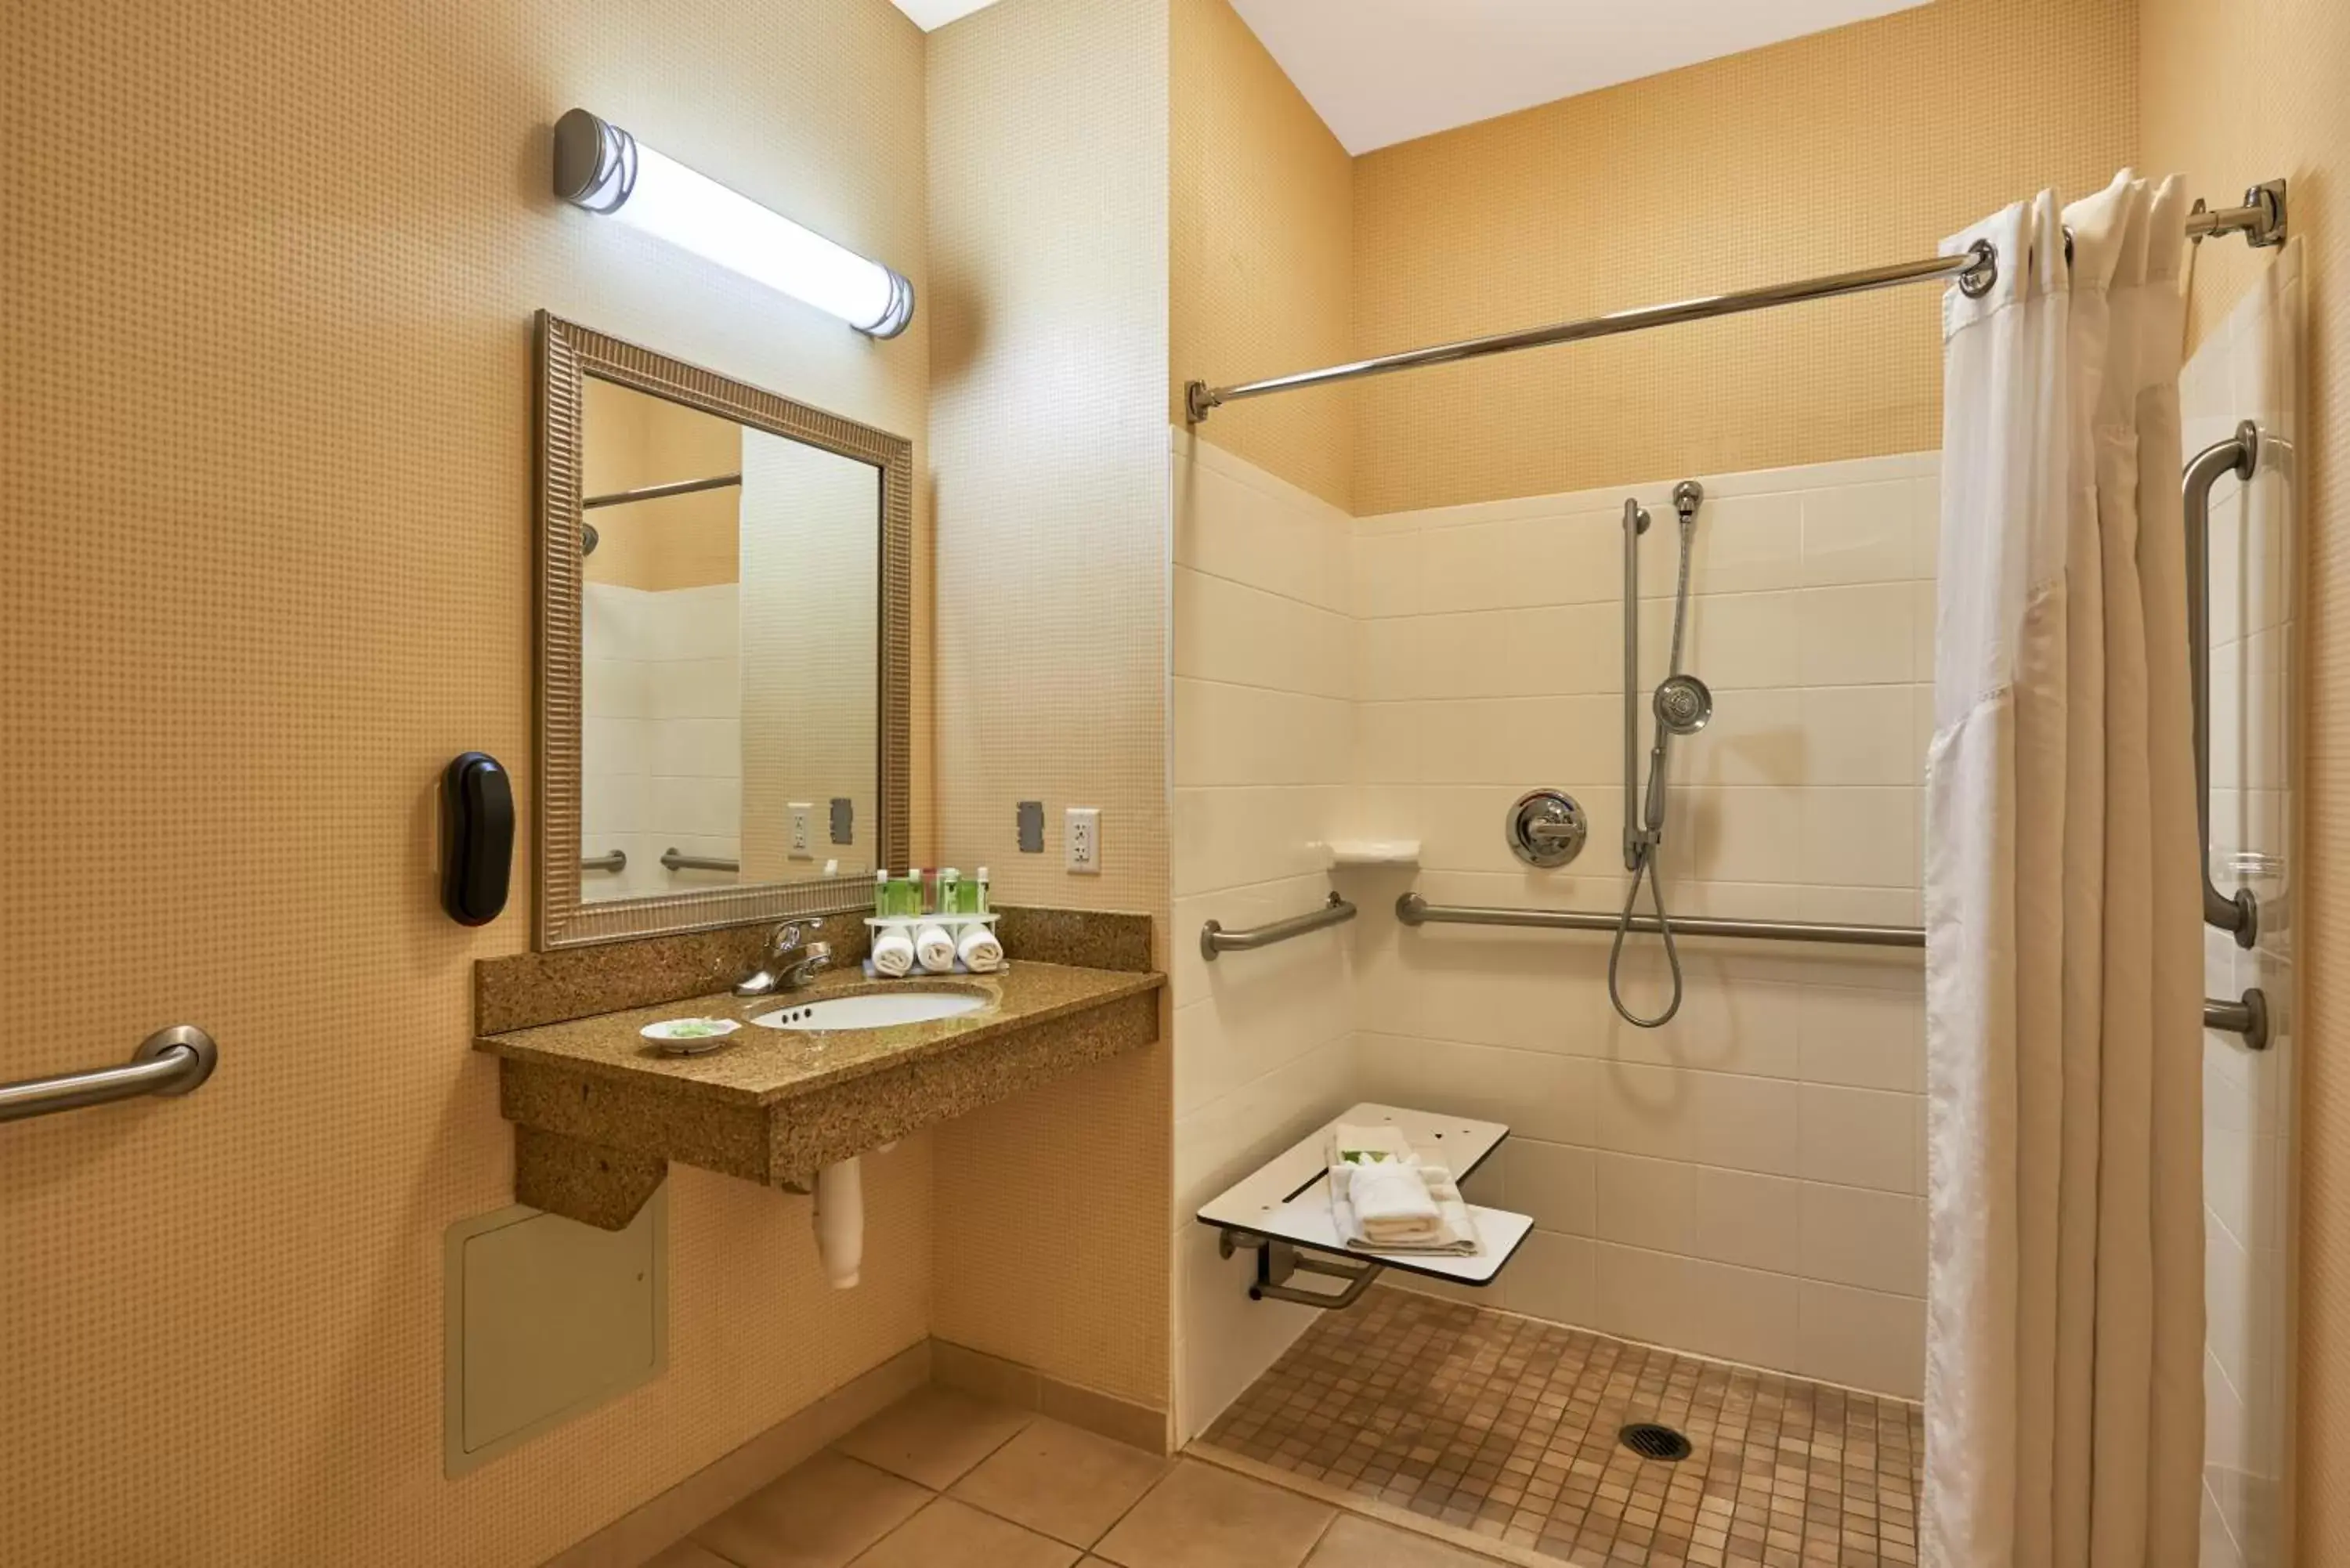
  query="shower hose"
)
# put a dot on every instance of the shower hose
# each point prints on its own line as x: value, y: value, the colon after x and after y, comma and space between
x: 1648, y: 850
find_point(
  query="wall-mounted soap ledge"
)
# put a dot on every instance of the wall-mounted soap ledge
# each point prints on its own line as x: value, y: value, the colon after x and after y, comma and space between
x: 1373, y: 852
x: 599, y: 1112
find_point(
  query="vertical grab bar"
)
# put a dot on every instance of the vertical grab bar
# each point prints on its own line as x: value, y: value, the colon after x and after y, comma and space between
x: 2239, y: 455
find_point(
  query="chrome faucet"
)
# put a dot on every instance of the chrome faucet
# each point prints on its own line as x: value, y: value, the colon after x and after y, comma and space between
x: 791, y: 964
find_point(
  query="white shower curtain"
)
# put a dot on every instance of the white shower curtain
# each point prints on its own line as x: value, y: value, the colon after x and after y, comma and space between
x: 2065, y: 1316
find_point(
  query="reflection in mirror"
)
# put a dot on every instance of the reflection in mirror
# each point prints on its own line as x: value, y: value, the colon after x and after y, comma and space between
x: 730, y: 686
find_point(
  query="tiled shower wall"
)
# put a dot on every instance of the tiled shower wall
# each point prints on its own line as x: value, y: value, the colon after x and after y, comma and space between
x: 1742, y: 1183
x: 1264, y: 737
x: 2248, y: 368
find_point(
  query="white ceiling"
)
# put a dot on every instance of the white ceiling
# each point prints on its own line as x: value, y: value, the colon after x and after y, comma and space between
x: 932, y: 15
x: 1384, y: 72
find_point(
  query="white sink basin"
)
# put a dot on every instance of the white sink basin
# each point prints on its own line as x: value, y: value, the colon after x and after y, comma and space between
x: 879, y: 1011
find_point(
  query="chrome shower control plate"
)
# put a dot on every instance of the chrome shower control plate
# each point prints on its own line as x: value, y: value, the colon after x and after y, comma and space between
x: 1545, y: 827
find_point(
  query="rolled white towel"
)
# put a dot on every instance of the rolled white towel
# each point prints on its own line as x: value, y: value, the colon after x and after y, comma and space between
x: 935, y: 948
x: 893, y: 952
x: 979, y: 951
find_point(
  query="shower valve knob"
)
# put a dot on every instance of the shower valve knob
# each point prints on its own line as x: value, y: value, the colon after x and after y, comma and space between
x: 1545, y: 829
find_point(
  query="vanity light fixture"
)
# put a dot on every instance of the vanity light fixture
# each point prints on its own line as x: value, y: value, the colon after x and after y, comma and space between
x: 602, y: 168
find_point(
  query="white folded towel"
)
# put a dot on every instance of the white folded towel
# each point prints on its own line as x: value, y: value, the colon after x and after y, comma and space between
x: 1391, y: 1202
x: 893, y: 952
x: 1385, y: 1198
x: 978, y: 949
x: 935, y: 948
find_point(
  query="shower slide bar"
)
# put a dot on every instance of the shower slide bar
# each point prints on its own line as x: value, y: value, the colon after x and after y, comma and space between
x: 674, y: 861
x: 168, y: 1063
x: 1214, y: 939
x: 2248, y: 1016
x: 2260, y: 220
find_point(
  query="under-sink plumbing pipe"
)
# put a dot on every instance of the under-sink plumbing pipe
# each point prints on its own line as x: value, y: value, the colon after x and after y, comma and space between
x: 840, y: 1222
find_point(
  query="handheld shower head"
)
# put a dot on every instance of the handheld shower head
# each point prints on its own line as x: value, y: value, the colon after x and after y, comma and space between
x: 1683, y: 705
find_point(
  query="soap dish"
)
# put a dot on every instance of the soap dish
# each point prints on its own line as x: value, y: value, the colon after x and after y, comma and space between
x: 690, y: 1036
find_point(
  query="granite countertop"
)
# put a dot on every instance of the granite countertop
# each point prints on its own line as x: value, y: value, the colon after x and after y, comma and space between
x: 763, y: 1066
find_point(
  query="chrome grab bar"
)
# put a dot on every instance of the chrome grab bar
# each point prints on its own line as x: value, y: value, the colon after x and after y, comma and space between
x: 168, y: 1063
x: 2247, y: 1016
x: 2239, y: 455
x: 677, y: 862
x: 1414, y: 910
x: 617, y: 860
x: 1214, y: 939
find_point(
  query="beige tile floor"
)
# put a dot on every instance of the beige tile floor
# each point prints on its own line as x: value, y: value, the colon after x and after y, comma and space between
x: 1505, y: 1429
x: 945, y: 1480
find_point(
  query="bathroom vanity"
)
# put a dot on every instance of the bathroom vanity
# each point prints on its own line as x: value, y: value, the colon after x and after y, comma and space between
x: 599, y: 1111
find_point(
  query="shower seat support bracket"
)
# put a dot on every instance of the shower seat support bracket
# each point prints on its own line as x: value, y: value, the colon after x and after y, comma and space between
x: 1278, y: 1262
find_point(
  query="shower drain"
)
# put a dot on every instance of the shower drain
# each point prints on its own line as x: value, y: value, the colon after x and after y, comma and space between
x: 1651, y: 1441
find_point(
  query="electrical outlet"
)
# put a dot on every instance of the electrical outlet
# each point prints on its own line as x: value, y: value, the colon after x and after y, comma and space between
x: 1082, y: 840
x: 802, y: 829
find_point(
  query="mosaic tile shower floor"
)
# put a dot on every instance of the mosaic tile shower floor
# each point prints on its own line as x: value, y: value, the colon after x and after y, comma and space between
x: 1507, y: 1428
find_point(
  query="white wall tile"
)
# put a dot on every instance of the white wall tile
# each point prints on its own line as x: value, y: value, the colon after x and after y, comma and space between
x: 1858, y: 1138
x: 1862, y: 1339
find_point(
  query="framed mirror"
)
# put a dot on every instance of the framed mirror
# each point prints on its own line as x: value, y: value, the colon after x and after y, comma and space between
x: 725, y: 609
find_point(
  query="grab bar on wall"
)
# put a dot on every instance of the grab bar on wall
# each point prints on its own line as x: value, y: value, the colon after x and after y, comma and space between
x: 677, y: 862
x: 2247, y: 1016
x: 1414, y: 910
x: 617, y: 860
x: 1214, y: 939
x: 2240, y: 455
x: 169, y: 1062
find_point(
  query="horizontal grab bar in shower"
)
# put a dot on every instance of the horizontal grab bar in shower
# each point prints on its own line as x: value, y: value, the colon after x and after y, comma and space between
x: 169, y: 1062
x: 1414, y: 910
x: 1214, y: 939
x: 675, y: 861
x: 2248, y: 1016
x: 617, y: 860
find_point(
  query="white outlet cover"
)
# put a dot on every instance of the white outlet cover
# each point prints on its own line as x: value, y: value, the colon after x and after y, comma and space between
x: 1081, y: 835
x: 802, y: 818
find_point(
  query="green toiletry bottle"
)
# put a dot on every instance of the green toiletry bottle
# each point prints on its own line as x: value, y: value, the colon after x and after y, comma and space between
x: 950, y: 891
x: 979, y: 893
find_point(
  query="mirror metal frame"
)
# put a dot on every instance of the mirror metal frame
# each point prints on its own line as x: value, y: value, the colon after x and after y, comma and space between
x: 567, y: 354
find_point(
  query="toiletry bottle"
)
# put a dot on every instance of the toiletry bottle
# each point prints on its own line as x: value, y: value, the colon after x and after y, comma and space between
x: 916, y: 904
x: 979, y: 893
x: 880, y: 894
x: 950, y: 891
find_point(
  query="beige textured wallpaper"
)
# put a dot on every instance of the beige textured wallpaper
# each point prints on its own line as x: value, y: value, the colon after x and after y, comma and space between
x: 265, y: 466
x: 1262, y: 219
x: 1048, y: 134
x: 1846, y: 149
x: 2233, y: 94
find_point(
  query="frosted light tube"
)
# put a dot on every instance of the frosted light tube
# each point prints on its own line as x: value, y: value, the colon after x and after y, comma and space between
x: 603, y: 169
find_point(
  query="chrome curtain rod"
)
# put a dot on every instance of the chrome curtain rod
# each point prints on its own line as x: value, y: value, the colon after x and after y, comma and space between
x: 2260, y: 220
x: 2248, y: 1016
x: 661, y: 491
